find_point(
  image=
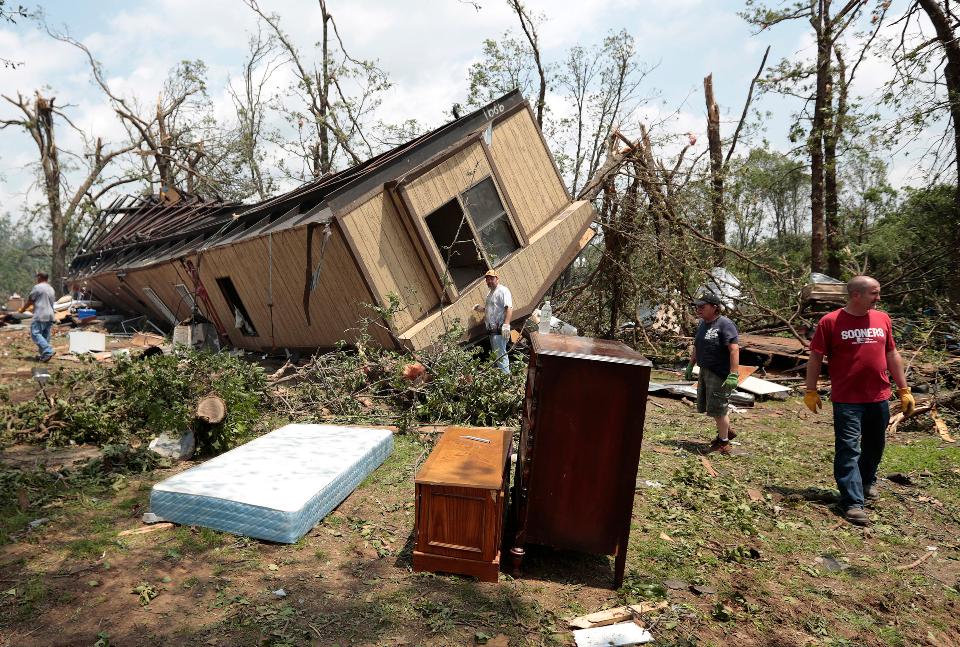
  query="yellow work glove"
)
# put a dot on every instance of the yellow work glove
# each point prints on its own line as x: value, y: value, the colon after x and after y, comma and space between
x: 907, y: 403
x: 812, y: 400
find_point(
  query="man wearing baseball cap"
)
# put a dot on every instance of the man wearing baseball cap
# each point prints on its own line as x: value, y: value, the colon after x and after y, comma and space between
x: 715, y: 349
x: 497, y: 312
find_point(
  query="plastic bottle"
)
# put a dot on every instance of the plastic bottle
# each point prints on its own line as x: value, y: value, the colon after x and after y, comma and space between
x: 546, y: 315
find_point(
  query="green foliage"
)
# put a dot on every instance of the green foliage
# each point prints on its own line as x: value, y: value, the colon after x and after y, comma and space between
x: 914, y: 241
x: 140, y: 398
x: 40, y: 486
x: 465, y: 388
x: 459, y: 386
x: 637, y: 587
x: 22, y: 253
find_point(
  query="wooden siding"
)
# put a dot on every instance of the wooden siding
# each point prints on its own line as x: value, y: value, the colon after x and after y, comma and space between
x: 160, y: 278
x: 106, y: 288
x: 527, y: 171
x: 527, y: 273
x: 336, y: 306
x: 391, y: 260
x: 444, y: 182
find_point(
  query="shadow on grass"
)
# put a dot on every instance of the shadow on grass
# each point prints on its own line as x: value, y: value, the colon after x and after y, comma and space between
x: 694, y: 447
x: 821, y: 496
x: 566, y: 567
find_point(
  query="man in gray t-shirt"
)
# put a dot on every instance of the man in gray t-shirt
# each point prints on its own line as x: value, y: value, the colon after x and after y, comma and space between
x: 42, y: 298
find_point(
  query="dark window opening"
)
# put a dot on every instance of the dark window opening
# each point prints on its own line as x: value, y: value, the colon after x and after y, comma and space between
x: 459, y: 250
x: 241, y: 318
x: 466, y: 257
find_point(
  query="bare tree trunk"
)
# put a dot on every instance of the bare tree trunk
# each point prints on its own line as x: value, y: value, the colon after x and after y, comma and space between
x: 61, y: 214
x: 325, y: 165
x: 951, y: 73
x: 530, y: 32
x: 822, y: 26
x: 718, y: 219
x: 50, y: 162
x: 831, y: 134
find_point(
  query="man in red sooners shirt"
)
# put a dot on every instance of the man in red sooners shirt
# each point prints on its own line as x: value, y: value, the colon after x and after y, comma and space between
x: 858, y: 339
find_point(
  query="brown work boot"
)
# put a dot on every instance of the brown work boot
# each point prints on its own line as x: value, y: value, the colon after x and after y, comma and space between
x: 857, y: 516
x: 720, y: 446
x: 872, y: 493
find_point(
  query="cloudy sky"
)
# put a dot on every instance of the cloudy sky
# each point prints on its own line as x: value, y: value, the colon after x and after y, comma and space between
x: 426, y: 46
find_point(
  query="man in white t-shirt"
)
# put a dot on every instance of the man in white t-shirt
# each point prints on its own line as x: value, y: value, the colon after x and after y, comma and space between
x: 497, y: 312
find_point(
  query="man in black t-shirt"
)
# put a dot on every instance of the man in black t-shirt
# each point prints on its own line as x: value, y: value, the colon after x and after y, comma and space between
x: 715, y: 349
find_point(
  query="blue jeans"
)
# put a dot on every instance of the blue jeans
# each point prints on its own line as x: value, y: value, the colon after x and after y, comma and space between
x: 498, y: 346
x: 859, y: 432
x: 40, y: 333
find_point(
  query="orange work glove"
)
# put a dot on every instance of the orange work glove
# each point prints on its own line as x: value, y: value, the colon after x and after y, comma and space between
x: 907, y: 403
x: 812, y: 400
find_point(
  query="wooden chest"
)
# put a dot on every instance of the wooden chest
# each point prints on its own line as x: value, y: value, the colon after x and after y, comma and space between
x: 579, y: 447
x: 461, y: 495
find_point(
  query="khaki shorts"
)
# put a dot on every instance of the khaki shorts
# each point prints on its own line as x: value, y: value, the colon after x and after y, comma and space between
x: 712, y: 398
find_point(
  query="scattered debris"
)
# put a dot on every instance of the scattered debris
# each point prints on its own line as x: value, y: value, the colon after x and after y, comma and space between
x: 280, y: 593
x: 703, y: 589
x: 82, y: 341
x: 941, y: 427
x: 617, y: 614
x: 676, y: 585
x: 656, y: 485
x: 143, y: 530
x: 760, y: 387
x: 36, y: 523
x: 823, y: 289
x: 754, y: 494
x: 707, y: 465
x: 625, y: 633
x: 831, y: 564
x: 916, y: 562
x: 900, y: 479
x: 686, y: 390
x: 146, y: 592
x: 178, y: 448
x: 781, y: 346
x: 150, y: 518
x: 146, y: 340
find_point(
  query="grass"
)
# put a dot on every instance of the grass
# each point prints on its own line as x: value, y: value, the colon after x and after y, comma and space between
x: 350, y: 582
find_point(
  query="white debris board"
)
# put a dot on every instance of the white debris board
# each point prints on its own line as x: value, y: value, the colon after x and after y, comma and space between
x: 87, y: 342
x: 761, y: 387
x: 618, y: 635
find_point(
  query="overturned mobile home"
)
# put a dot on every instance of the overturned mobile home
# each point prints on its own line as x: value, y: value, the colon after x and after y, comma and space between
x: 423, y: 221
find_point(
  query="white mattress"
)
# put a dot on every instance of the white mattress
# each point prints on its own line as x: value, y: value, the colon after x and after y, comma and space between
x: 276, y: 487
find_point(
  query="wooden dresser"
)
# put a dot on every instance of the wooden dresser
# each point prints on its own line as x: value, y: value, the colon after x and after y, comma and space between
x: 579, y: 447
x: 461, y: 495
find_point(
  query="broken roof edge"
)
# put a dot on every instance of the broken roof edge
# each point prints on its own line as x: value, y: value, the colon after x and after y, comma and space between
x: 347, y: 187
x: 351, y: 183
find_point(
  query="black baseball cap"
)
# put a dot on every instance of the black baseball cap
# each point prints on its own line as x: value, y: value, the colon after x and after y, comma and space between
x: 707, y: 297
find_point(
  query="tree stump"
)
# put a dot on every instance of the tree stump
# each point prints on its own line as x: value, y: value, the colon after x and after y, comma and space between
x: 211, y: 409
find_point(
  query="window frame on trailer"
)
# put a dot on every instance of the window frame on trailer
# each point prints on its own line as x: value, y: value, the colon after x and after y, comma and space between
x: 234, y: 303
x: 505, y: 215
x: 186, y: 297
x: 160, y: 305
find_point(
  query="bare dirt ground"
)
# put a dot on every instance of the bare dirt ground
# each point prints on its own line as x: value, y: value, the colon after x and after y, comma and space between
x: 776, y: 563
